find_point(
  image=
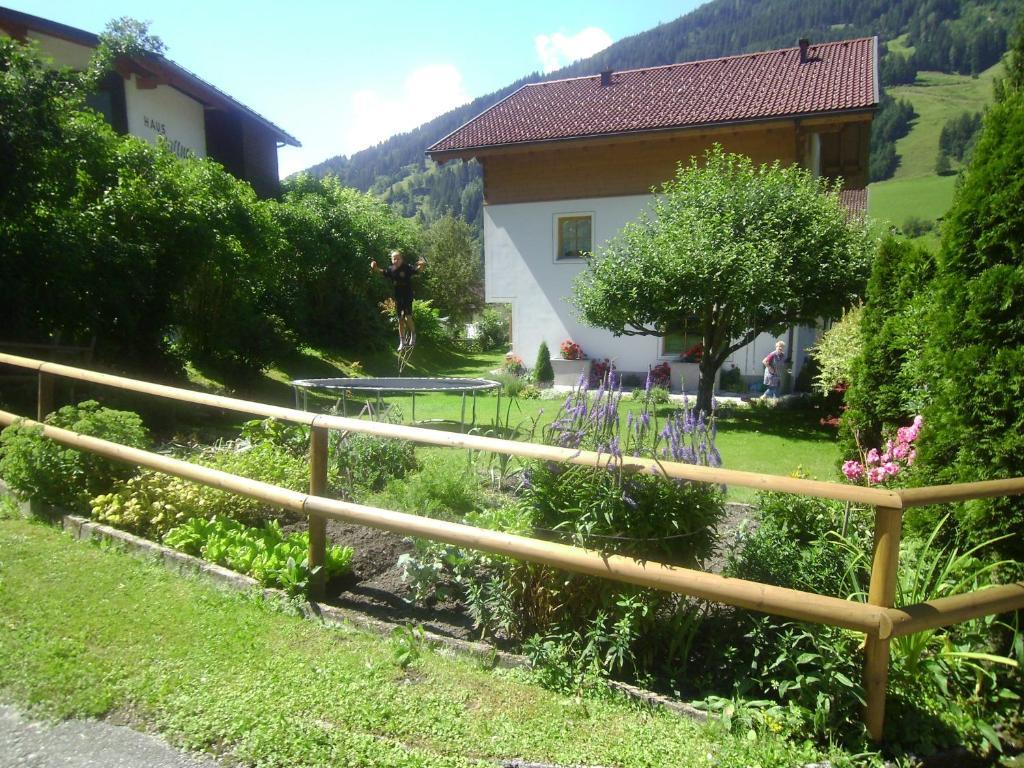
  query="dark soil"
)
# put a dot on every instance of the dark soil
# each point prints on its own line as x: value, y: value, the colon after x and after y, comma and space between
x: 375, y: 586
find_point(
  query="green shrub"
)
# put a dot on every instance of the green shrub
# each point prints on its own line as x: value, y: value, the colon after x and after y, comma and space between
x: 655, y: 396
x: 369, y: 461
x: 838, y: 350
x: 271, y: 557
x: 446, y: 487
x: 889, y: 384
x: 429, y: 325
x: 154, y: 502
x: 975, y: 422
x: 148, y: 505
x: 493, y: 328
x: 794, y: 544
x: 731, y: 380
x: 38, y: 468
x: 512, y: 385
x: 946, y: 687
x: 542, y: 370
x: 293, y: 438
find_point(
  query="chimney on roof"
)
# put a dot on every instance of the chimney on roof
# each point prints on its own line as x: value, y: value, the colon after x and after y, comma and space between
x: 804, y: 44
x: 606, y: 78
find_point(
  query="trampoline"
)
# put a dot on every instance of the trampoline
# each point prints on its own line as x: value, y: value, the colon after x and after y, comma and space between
x: 380, y: 385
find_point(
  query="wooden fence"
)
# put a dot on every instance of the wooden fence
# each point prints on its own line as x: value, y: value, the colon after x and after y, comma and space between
x: 879, y: 619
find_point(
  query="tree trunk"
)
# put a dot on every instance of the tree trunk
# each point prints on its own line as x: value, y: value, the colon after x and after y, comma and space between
x: 705, y: 389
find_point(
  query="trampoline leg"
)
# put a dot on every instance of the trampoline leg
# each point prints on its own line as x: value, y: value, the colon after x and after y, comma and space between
x: 474, y: 408
x: 380, y: 406
x: 413, y: 407
x: 462, y: 419
x: 344, y: 404
x: 295, y: 391
x: 305, y: 400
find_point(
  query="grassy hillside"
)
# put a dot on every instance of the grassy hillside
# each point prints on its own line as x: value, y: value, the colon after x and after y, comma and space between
x: 915, y: 189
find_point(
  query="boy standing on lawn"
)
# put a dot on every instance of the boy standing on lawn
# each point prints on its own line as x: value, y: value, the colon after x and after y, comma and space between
x: 401, y: 274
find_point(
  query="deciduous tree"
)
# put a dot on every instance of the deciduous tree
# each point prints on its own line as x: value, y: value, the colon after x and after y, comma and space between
x: 746, y: 249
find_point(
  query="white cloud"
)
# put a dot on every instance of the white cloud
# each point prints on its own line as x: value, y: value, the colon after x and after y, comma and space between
x: 557, y: 50
x: 426, y: 93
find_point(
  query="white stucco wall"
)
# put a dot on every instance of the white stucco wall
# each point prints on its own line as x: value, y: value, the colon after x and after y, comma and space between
x: 152, y: 112
x: 164, y: 111
x: 520, y: 268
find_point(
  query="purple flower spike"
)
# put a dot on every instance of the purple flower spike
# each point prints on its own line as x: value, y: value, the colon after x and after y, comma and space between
x: 614, y: 449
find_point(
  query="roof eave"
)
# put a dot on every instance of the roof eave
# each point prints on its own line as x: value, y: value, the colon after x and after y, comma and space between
x: 444, y: 155
x: 90, y: 40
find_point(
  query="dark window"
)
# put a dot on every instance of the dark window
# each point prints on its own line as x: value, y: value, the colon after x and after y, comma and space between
x: 574, y: 236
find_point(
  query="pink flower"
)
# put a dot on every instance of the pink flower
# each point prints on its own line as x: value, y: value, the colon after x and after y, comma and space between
x: 886, y: 457
x: 876, y: 475
x: 911, y: 456
x: 873, y: 457
x: 901, y: 451
x: 890, y: 468
x: 853, y: 470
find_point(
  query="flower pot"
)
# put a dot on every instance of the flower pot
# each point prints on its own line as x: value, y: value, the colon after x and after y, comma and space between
x: 684, y: 377
x: 568, y: 372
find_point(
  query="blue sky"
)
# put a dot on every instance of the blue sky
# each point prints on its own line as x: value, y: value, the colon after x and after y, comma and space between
x: 341, y: 76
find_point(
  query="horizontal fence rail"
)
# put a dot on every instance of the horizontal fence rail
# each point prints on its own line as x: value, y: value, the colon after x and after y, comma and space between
x: 792, y: 603
x: 764, y: 482
x: 946, y: 611
x: 878, y: 618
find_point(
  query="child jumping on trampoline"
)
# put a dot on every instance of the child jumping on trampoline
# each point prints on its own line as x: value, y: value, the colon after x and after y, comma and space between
x: 401, y: 274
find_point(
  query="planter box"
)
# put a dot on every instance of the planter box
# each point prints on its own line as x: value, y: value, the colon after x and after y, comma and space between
x: 684, y: 376
x: 568, y: 372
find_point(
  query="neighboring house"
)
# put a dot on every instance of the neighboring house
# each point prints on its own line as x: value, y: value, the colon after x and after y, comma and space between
x: 151, y: 96
x: 568, y: 163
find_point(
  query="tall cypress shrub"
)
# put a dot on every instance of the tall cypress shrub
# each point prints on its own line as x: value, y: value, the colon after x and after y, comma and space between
x: 888, y: 385
x: 975, y: 426
x: 543, y: 373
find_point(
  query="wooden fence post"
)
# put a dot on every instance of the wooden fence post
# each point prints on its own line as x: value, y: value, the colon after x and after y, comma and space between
x: 45, y: 398
x: 882, y: 592
x: 317, y: 523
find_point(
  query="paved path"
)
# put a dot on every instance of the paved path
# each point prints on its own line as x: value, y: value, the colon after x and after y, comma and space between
x: 26, y: 743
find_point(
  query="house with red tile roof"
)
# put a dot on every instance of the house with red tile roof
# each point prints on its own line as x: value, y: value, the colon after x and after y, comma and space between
x: 150, y: 96
x: 568, y: 163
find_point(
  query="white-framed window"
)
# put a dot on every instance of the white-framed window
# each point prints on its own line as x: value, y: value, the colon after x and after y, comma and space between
x: 573, y: 235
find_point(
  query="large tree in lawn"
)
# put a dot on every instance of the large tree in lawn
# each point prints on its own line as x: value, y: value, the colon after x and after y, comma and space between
x: 745, y: 249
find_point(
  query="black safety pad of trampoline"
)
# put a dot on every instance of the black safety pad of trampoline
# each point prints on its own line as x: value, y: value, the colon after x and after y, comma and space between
x: 396, y: 384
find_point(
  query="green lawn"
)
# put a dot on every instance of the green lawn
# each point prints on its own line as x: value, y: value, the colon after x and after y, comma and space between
x: 232, y: 675
x: 896, y: 200
x: 915, y: 189
x: 771, y: 440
